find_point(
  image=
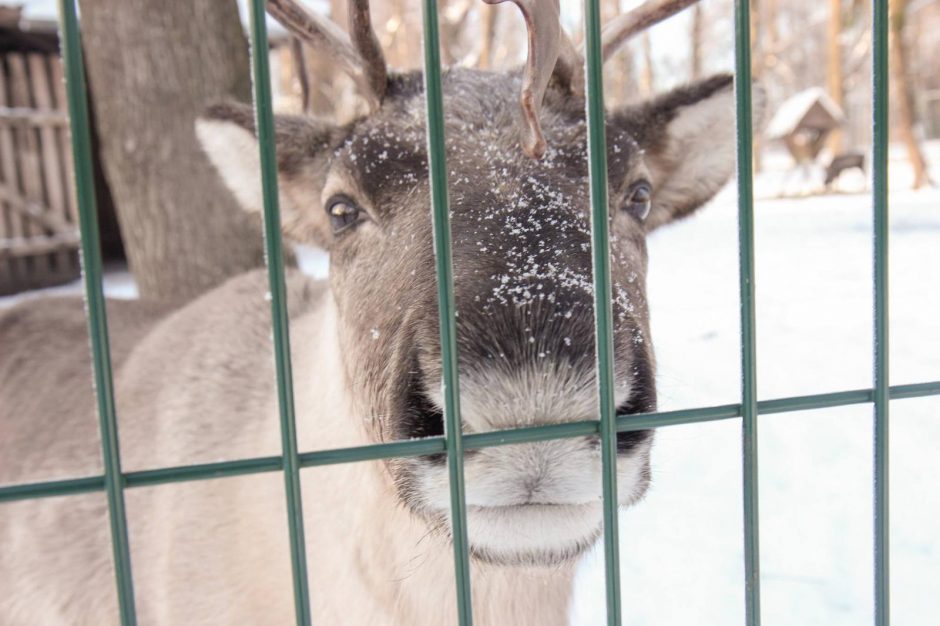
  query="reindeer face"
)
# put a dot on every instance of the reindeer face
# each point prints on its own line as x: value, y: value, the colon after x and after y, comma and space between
x: 524, y: 294
x: 523, y: 283
x: 522, y: 261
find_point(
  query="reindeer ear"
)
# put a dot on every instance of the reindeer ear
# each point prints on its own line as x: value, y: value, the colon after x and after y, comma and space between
x: 688, y: 139
x: 227, y: 134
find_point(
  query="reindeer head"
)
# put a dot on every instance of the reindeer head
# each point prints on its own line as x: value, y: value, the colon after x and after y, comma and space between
x: 522, y: 264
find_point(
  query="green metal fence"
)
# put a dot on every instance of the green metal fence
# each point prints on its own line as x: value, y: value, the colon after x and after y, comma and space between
x: 114, y: 481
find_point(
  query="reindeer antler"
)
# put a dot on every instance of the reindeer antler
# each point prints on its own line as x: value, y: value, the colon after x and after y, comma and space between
x: 552, y: 55
x: 543, y: 25
x: 361, y: 58
x: 360, y: 27
x: 625, y: 26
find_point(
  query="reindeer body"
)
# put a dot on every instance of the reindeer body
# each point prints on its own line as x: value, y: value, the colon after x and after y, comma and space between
x: 216, y: 552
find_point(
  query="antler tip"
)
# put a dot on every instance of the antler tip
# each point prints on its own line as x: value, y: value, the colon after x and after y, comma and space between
x: 535, y: 149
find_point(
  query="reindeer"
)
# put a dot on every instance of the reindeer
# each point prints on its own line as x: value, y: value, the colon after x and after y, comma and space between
x: 367, y: 364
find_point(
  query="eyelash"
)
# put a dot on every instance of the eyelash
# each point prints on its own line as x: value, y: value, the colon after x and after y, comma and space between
x: 343, y: 220
x: 639, y: 207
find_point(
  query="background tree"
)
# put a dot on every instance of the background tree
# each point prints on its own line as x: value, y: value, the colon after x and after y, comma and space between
x: 647, y: 75
x: 835, y: 82
x: 757, y: 70
x: 904, y: 106
x: 153, y: 67
x: 697, y: 34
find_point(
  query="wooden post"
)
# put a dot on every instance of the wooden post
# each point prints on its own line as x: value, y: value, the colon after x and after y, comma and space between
x: 52, y: 175
x: 27, y: 149
x: 9, y: 177
x: 64, y: 149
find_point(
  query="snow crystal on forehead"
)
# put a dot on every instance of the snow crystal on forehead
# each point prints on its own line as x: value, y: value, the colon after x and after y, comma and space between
x: 532, y: 210
x: 522, y: 209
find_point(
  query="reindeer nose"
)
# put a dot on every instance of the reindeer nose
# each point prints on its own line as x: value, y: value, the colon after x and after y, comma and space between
x: 528, y: 296
x: 556, y: 332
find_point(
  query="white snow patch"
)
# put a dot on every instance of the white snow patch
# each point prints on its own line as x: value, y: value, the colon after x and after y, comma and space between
x: 681, y: 548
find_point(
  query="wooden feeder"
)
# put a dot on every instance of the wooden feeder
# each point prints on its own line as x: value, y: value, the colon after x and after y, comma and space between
x: 803, y: 122
x: 38, y: 220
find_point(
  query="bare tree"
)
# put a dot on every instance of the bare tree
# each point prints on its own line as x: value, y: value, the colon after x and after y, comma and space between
x: 153, y: 66
x: 647, y: 76
x: 834, y: 74
x: 772, y: 42
x: 904, y: 107
x: 757, y: 71
x: 485, y: 60
x: 698, y: 28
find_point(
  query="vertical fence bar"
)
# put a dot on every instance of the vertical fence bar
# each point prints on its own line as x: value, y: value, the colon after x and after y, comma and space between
x: 880, y: 209
x: 603, y: 314
x: 77, y: 96
x: 745, y: 137
x: 437, y: 166
x: 264, y: 120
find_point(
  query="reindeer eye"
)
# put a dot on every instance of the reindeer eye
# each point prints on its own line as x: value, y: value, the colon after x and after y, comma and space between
x: 344, y: 214
x: 639, y: 200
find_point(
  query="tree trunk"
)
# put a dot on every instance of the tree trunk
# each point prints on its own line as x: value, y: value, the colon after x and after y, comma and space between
x: 489, y: 37
x: 834, y: 77
x: 757, y: 61
x: 772, y: 43
x: 904, y: 107
x: 153, y: 67
x: 621, y: 80
x: 647, y: 77
x: 698, y: 27
x: 757, y: 72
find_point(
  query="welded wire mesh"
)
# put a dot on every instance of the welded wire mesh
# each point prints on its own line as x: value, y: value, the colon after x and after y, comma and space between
x: 114, y: 481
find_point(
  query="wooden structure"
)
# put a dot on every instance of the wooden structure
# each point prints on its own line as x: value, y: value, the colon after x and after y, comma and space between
x: 803, y: 122
x: 38, y: 219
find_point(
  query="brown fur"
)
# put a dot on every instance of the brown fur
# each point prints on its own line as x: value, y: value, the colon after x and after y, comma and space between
x: 198, y: 384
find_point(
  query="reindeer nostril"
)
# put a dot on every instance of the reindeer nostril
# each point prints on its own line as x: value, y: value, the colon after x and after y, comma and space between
x: 421, y: 417
x: 630, y: 440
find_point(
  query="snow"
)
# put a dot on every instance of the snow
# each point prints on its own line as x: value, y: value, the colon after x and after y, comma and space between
x: 681, y: 553
x: 118, y: 284
x: 39, y: 9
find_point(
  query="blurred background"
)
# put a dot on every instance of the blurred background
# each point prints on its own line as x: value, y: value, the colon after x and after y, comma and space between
x: 170, y: 230
x: 153, y: 66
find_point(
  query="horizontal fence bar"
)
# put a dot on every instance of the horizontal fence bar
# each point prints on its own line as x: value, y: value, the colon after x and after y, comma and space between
x: 375, y: 452
x: 916, y: 390
x: 474, y: 441
x: 204, y: 471
x: 51, y: 488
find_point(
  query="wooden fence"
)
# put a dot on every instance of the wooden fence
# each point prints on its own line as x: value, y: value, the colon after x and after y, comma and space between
x: 38, y: 219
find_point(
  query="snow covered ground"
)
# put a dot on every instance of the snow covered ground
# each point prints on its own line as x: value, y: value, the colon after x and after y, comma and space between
x: 681, y: 547
x: 682, y: 554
